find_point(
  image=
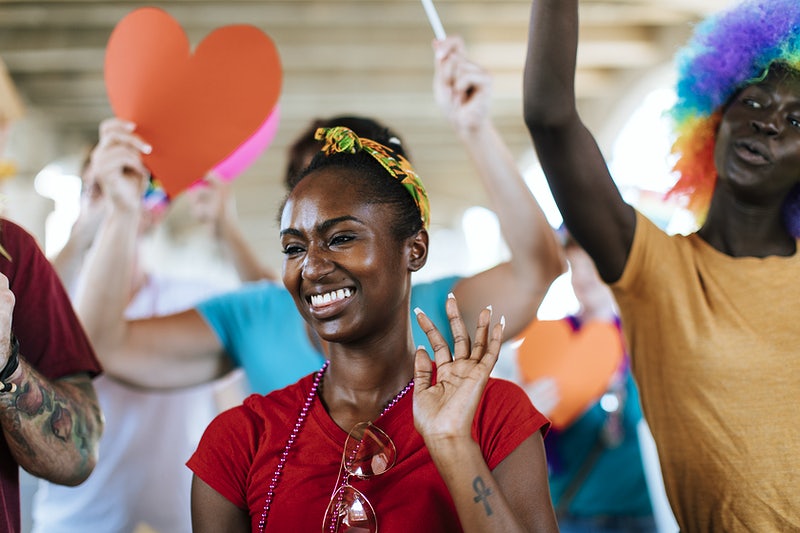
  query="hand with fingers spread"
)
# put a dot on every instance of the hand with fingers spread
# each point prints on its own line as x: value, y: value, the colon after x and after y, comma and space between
x: 445, y: 409
x: 350, y: 251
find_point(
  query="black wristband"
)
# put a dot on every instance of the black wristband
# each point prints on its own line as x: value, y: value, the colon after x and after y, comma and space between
x: 11, y: 365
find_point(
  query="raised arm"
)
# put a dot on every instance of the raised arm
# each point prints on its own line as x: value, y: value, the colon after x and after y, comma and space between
x: 164, y: 352
x: 588, y: 198
x: 515, y: 288
x: 514, y: 496
x: 68, y: 262
x: 214, y: 203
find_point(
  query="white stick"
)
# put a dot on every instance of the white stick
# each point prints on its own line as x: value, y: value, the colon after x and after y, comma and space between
x: 433, y: 18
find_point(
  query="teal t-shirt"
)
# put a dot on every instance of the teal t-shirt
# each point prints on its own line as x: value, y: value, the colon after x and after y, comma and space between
x: 262, y: 331
x: 615, y: 485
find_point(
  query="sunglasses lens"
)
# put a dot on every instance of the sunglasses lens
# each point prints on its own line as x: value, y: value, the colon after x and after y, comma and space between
x: 349, y: 511
x: 368, y: 451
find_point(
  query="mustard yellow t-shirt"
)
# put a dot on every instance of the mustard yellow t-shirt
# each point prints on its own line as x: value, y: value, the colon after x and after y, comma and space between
x: 715, y: 346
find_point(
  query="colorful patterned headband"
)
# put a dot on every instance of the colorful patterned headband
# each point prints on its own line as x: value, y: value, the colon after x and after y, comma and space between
x: 343, y: 140
x: 727, y: 51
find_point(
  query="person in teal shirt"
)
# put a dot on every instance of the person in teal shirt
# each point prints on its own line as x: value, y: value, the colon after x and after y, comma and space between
x: 596, y: 473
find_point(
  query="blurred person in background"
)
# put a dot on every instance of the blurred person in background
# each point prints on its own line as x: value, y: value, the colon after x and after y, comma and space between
x: 140, y: 479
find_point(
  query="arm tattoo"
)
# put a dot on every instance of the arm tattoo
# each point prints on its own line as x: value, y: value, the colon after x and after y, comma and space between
x: 52, y: 425
x: 482, y: 494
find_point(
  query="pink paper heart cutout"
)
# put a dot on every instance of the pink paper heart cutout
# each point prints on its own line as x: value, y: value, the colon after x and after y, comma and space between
x: 246, y: 154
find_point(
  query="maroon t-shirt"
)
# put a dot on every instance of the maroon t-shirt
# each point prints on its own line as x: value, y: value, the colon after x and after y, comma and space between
x: 51, y: 338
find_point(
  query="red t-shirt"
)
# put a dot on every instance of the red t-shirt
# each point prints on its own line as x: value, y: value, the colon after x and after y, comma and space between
x: 51, y: 338
x: 239, y: 452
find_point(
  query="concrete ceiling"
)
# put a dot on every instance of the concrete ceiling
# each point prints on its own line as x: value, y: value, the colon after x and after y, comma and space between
x: 370, y: 57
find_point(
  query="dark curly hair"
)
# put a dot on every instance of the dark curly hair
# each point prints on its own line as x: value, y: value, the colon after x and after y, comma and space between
x: 305, y: 145
x: 373, y: 183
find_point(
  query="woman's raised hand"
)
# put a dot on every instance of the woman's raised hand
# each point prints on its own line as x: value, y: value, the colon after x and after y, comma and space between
x: 444, y: 410
x: 462, y: 89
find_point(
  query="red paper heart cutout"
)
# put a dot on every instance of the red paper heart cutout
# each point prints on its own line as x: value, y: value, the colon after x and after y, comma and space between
x: 582, y: 362
x: 194, y: 109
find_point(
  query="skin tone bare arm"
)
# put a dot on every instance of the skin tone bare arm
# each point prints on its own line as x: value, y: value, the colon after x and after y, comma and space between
x: 173, y: 351
x: 515, y: 288
x: 590, y: 202
x: 215, y: 202
x: 68, y: 262
x: 52, y: 427
x: 213, y: 513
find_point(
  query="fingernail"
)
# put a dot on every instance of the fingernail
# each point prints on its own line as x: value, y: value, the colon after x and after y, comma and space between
x: 489, y: 307
x: 417, y: 311
x: 147, y: 148
x: 130, y: 126
x: 451, y: 295
x: 503, y: 322
x: 421, y: 347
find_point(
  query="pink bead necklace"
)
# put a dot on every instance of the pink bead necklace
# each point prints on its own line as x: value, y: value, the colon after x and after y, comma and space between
x: 301, y: 418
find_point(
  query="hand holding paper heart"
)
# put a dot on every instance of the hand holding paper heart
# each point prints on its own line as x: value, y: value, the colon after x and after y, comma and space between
x: 195, y: 109
x: 581, y: 362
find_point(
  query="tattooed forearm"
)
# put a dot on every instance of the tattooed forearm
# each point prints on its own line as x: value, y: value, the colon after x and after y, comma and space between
x: 482, y: 494
x: 52, y: 428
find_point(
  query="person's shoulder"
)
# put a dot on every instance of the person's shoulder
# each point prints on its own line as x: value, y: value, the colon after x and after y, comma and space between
x: 258, y: 293
x: 500, y: 386
x: 21, y: 252
x: 14, y: 235
x: 252, y: 415
x: 438, y: 282
x: 650, y: 233
x: 653, y: 249
x: 505, y: 418
x: 504, y: 393
x: 280, y: 402
x: 423, y: 291
x: 8, y: 225
x: 646, y: 226
x: 261, y: 289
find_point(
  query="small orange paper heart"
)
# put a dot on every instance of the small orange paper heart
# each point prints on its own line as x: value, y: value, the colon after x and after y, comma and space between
x: 196, y: 108
x: 582, y: 362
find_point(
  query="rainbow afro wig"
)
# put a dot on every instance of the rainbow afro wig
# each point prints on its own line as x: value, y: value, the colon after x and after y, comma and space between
x: 727, y: 52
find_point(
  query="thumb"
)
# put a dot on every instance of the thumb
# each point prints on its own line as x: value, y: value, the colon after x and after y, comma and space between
x: 423, y: 370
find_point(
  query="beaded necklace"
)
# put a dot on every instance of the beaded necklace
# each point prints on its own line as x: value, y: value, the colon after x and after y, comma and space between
x: 301, y: 418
